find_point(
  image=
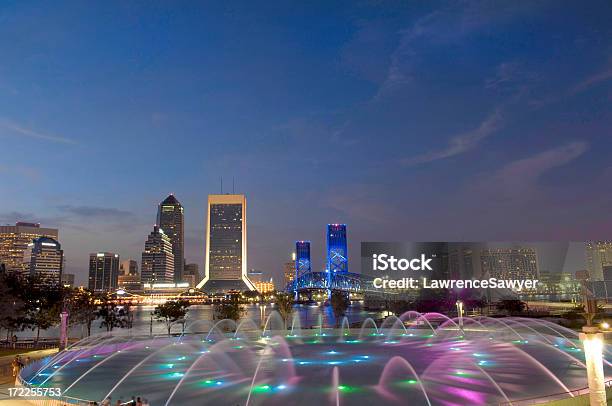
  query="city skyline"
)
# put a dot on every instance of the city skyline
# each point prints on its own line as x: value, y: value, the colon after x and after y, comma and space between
x: 408, y: 122
x: 553, y: 256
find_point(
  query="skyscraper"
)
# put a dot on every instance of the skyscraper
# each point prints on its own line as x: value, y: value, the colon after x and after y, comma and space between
x: 171, y: 219
x: 289, y: 271
x: 191, y: 274
x: 337, y: 255
x: 509, y: 263
x: 128, y: 267
x: 14, y: 242
x: 464, y: 260
x: 226, y: 245
x: 157, y: 264
x: 68, y: 280
x: 103, y: 271
x: 598, y: 255
x: 46, y: 259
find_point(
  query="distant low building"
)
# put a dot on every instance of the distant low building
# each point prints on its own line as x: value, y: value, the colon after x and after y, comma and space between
x: 264, y: 287
x: 68, y: 280
x: 255, y: 275
x: 582, y: 275
x: 598, y: 255
x: 164, y: 288
x: 130, y: 283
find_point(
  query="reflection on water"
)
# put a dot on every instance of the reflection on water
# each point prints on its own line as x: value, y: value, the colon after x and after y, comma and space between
x: 309, y: 317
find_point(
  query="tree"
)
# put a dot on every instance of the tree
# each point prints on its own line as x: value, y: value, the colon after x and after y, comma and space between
x: 398, y: 307
x: 81, y: 306
x: 45, y: 316
x: 250, y: 294
x: 511, y: 306
x: 171, y: 312
x: 339, y: 303
x: 577, y: 317
x: 12, y: 306
x: 29, y: 302
x: 112, y: 316
x: 229, y: 309
x: 284, y: 306
x: 44, y: 303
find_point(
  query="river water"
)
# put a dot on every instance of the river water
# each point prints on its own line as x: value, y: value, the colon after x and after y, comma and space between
x: 308, y: 316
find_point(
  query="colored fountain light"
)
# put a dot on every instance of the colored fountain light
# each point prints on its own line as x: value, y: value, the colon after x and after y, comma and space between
x: 431, y: 362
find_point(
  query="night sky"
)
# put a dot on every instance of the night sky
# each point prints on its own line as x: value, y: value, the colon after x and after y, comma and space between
x: 409, y: 121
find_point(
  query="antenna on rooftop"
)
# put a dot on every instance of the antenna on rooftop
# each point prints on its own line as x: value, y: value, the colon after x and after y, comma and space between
x: 233, y: 183
x: 221, y: 184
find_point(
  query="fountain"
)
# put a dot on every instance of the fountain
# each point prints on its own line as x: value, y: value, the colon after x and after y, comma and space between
x: 424, y: 358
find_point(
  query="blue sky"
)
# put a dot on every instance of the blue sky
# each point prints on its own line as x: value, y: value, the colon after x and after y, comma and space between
x: 405, y: 120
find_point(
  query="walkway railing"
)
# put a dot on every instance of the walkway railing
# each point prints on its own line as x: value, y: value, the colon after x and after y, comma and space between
x: 42, y: 343
x: 555, y: 396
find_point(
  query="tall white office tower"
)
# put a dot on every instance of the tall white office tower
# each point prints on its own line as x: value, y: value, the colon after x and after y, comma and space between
x: 225, y: 268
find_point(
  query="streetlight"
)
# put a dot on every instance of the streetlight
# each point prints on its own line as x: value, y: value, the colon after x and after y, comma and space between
x: 459, y: 304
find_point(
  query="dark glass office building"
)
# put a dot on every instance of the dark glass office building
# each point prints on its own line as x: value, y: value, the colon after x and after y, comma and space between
x: 103, y: 271
x: 170, y: 218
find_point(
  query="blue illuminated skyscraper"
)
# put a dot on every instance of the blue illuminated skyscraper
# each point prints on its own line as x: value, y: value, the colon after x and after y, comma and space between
x: 337, y: 254
x: 302, y: 259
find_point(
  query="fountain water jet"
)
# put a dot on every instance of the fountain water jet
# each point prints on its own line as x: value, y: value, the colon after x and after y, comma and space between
x: 503, y: 324
x: 419, y: 317
x: 368, y: 321
x: 343, y: 332
x: 254, y: 327
x: 336, y: 385
x: 545, y: 370
x: 396, y: 320
x: 495, y: 384
x: 135, y: 367
x: 397, y: 363
x: 296, y: 320
x: 216, y: 327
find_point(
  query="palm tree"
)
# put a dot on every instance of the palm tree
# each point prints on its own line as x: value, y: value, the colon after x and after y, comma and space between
x: 284, y: 306
x: 339, y: 303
